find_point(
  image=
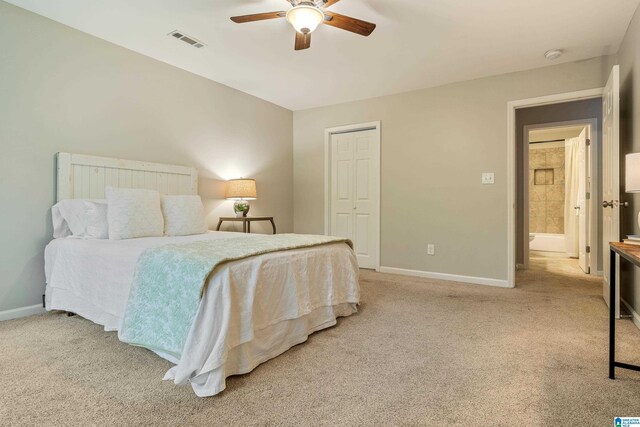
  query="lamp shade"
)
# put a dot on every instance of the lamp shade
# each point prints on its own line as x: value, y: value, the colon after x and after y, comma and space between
x: 632, y: 173
x: 305, y: 18
x: 242, y: 188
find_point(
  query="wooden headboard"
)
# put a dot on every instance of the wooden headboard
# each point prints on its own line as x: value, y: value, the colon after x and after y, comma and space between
x: 85, y: 177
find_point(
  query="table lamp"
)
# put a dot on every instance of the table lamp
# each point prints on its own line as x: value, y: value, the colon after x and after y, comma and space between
x: 632, y: 175
x: 241, y: 190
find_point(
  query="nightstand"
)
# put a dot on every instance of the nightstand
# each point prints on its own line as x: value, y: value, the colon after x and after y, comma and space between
x: 246, y: 222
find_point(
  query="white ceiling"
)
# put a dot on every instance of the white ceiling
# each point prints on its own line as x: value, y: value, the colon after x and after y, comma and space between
x: 417, y: 44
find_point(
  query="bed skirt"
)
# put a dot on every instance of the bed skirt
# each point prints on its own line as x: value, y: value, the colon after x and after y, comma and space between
x: 266, y: 344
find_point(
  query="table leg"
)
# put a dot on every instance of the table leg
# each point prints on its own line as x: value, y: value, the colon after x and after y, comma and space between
x: 244, y: 226
x: 612, y: 314
x: 219, y: 224
x: 273, y: 224
x: 248, y: 226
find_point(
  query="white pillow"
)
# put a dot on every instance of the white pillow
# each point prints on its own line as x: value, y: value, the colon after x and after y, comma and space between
x: 133, y: 213
x: 60, y: 225
x: 183, y: 215
x: 73, y: 213
x: 97, y: 220
x: 80, y: 218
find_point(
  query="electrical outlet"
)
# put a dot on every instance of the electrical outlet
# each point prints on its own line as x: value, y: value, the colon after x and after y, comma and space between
x: 431, y: 249
x: 488, y: 178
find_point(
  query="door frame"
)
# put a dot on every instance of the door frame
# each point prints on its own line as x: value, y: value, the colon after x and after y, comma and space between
x: 357, y: 127
x: 512, y: 106
x: 593, y: 188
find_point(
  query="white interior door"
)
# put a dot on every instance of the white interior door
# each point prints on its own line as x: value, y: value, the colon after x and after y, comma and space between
x: 582, y: 207
x: 611, y: 179
x: 354, y: 197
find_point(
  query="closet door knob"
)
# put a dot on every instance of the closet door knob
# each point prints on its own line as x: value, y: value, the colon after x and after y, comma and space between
x: 606, y: 204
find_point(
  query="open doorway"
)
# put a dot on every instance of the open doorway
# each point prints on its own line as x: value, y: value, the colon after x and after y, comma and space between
x: 558, y: 206
x: 568, y: 109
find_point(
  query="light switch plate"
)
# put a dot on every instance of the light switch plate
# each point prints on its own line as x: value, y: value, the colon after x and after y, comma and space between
x: 488, y: 178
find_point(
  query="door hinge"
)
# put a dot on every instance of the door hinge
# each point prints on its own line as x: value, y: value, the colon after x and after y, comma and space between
x: 588, y: 141
x: 588, y: 249
x: 588, y: 196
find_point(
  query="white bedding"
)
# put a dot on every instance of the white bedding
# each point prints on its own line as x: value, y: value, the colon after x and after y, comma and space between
x: 253, y: 310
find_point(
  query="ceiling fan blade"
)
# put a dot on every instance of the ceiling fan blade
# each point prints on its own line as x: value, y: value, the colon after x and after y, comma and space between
x: 257, y: 17
x: 348, y: 23
x: 303, y: 41
x: 327, y: 3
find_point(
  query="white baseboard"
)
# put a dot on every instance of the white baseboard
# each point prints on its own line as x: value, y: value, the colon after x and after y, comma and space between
x: 22, y: 312
x: 634, y: 316
x: 447, y: 277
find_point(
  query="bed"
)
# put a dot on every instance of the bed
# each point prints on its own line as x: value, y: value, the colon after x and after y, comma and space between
x: 253, y: 309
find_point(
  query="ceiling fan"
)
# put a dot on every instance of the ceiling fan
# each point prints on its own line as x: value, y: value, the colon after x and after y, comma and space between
x: 306, y: 15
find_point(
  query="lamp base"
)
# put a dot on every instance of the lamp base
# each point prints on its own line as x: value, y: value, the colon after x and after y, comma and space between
x: 241, y: 208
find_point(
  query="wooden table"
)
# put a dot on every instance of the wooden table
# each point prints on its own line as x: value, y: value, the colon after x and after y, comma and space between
x: 632, y: 254
x: 246, y: 222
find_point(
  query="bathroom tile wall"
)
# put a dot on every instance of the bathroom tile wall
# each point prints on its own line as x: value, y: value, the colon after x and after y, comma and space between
x: 546, y: 193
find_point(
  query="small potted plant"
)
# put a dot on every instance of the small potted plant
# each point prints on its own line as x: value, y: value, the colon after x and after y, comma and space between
x: 241, y: 208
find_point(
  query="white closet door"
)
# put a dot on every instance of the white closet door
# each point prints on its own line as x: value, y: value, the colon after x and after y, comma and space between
x: 354, y: 192
x: 342, y: 185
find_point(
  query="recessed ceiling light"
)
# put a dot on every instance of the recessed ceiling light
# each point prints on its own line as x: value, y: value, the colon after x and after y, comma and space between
x: 553, y: 54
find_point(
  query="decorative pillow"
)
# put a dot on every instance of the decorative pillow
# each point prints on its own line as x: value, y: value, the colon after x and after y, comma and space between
x: 133, y: 213
x: 80, y: 218
x: 183, y: 215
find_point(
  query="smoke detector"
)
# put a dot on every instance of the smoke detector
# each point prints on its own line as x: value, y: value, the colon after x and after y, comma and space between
x: 553, y: 54
x: 179, y: 35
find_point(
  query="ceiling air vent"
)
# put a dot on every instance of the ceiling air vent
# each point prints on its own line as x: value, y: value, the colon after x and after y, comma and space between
x: 187, y: 39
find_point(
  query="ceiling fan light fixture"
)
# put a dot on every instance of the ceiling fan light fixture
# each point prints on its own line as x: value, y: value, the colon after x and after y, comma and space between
x: 305, y: 18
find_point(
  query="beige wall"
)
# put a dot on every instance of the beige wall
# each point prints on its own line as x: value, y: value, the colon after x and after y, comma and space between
x: 629, y: 60
x: 546, y: 189
x: 435, y: 145
x: 63, y: 90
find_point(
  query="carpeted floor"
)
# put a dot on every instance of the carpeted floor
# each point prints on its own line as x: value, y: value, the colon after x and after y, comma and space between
x: 420, y: 352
